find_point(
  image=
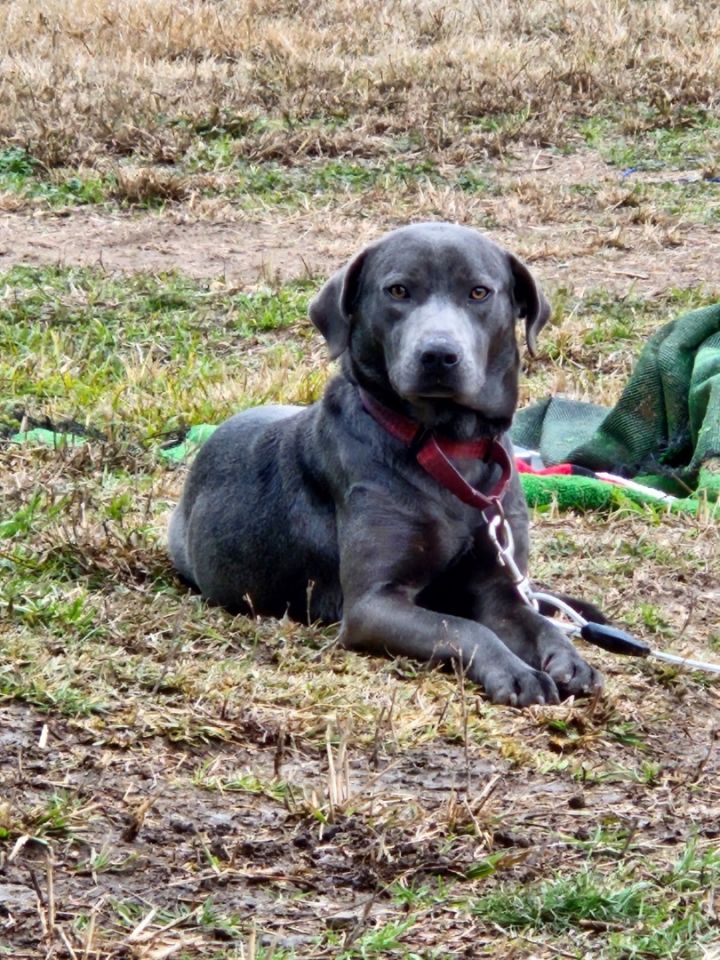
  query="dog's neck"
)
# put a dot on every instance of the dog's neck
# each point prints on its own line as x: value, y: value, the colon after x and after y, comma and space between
x: 433, y: 455
x: 444, y: 418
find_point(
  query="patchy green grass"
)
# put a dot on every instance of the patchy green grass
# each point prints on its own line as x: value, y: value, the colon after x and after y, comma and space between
x: 21, y: 174
x: 141, y: 357
x: 562, y: 904
x: 211, y: 169
x: 690, y: 143
x: 594, y: 339
x: 645, y: 914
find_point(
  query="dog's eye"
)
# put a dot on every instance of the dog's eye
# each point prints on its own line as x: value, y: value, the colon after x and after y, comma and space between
x: 479, y: 293
x: 398, y: 292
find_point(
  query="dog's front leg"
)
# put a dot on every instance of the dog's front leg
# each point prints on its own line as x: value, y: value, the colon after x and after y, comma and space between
x: 498, y: 606
x: 532, y: 637
x: 386, y: 620
x: 387, y: 556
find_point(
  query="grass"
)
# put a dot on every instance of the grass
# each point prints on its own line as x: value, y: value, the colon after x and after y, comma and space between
x: 96, y: 348
x: 180, y: 782
x: 138, y: 359
x: 561, y: 905
x: 102, y: 645
x: 690, y: 144
x: 648, y: 917
x: 267, y: 109
x: 331, y: 78
x: 211, y: 170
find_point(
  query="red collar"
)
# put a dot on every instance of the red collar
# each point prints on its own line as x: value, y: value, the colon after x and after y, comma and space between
x: 433, y: 453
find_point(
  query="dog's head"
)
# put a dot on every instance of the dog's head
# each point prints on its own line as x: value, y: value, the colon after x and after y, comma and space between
x: 426, y: 315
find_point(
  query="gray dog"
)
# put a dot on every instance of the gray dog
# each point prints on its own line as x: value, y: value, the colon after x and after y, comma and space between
x: 372, y: 506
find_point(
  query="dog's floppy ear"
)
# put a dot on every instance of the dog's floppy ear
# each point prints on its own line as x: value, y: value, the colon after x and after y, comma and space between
x: 530, y: 302
x: 331, y: 309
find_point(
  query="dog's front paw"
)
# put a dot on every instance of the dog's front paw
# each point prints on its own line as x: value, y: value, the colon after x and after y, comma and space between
x: 571, y: 673
x: 519, y: 686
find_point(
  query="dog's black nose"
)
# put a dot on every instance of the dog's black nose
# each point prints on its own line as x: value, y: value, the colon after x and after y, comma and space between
x: 439, y: 355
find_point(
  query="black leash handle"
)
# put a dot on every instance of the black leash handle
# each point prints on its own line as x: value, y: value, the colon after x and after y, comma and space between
x: 614, y: 640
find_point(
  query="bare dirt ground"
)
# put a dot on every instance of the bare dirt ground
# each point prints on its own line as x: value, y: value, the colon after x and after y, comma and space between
x: 245, y: 252
x: 609, y: 243
x: 413, y: 816
x: 241, y: 252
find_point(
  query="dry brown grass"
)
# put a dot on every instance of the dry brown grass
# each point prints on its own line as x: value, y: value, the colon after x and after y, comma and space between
x: 86, y: 81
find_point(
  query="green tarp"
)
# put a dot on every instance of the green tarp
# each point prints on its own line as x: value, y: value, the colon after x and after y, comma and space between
x: 664, y: 430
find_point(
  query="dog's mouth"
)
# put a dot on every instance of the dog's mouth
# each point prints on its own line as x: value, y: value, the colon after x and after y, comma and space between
x: 436, y: 393
x: 447, y: 407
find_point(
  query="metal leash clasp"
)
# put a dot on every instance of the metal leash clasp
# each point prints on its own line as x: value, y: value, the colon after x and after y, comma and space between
x: 501, y: 537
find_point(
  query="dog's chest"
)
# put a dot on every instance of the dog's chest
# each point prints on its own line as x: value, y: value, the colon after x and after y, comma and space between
x: 456, y: 532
